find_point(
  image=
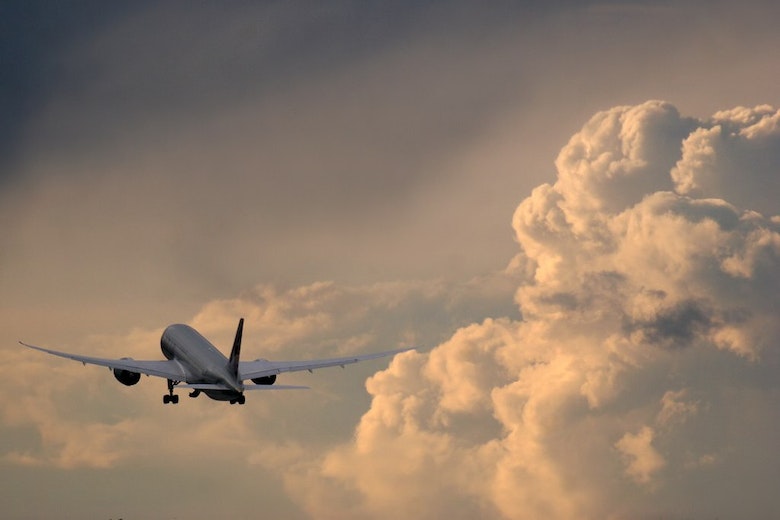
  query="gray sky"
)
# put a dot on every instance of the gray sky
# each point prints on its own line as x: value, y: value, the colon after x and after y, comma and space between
x: 345, y: 177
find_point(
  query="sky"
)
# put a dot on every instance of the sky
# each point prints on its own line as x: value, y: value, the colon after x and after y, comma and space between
x: 569, y: 207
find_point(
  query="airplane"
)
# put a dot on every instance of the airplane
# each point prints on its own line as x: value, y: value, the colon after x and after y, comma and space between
x: 192, y: 362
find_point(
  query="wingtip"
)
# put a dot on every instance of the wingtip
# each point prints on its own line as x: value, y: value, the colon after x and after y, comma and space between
x: 32, y: 346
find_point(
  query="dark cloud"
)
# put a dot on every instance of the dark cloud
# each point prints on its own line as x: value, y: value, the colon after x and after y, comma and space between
x: 32, y: 34
x: 108, y: 71
x: 678, y: 326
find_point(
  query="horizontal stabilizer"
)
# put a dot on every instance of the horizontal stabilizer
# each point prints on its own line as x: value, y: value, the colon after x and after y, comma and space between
x: 203, y: 386
x: 209, y: 386
x: 275, y: 387
x: 264, y: 368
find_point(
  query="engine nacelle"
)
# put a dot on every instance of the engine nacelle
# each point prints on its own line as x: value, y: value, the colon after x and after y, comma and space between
x: 126, y: 377
x: 265, y: 380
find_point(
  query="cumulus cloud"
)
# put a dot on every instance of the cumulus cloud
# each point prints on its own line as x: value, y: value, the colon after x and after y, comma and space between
x: 734, y: 157
x: 648, y: 283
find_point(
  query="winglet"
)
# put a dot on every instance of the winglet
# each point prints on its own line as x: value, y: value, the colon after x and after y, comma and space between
x: 236, y: 352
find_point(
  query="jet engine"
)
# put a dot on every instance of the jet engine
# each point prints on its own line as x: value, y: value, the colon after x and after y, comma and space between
x: 265, y: 380
x: 126, y: 377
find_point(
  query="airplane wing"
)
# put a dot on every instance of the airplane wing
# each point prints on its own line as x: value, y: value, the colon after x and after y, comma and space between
x: 167, y: 368
x: 262, y: 367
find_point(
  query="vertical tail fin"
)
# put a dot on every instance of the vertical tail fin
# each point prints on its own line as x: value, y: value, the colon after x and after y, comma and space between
x: 236, y: 352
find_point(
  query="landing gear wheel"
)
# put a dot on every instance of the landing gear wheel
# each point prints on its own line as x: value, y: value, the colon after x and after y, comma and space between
x: 241, y: 399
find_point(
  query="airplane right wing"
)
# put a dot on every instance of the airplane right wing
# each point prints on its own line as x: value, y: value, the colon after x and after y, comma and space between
x: 263, y: 368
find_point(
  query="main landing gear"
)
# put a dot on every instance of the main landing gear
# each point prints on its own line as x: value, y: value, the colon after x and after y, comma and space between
x: 170, y: 398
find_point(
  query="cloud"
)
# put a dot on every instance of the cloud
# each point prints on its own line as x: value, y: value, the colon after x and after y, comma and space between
x: 647, y: 322
x: 642, y: 460
x: 734, y: 157
x: 67, y: 439
x: 284, y: 135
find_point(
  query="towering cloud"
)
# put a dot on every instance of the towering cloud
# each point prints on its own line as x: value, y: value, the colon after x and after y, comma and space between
x: 641, y: 379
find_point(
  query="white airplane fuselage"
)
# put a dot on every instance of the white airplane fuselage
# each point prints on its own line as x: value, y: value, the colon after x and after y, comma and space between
x: 201, y: 361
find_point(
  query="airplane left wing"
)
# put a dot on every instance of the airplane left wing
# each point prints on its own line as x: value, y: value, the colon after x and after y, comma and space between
x: 168, y: 369
x: 263, y: 368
